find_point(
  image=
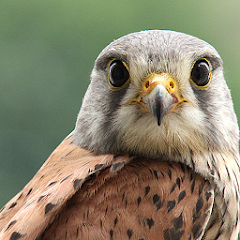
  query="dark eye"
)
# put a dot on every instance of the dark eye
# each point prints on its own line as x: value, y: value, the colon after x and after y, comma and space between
x: 201, y: 73
x: 118, y: 74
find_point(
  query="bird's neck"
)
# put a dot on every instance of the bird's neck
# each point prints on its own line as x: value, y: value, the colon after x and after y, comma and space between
x: 222, y: 171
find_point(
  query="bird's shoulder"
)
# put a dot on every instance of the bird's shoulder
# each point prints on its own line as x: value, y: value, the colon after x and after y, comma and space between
x: 108, y: 195
x: 64, y: 172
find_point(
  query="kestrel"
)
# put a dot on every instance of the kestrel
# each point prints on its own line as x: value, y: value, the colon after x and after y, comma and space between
x: 154, y: 154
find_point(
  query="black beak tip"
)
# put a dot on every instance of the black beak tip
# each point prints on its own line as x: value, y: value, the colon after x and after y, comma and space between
x: 159, y: 120
x: 159, y: 113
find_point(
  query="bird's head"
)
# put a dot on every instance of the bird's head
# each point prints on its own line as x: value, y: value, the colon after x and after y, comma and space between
x: 157, y: 93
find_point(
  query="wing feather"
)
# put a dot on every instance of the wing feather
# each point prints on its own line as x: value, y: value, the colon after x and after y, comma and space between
x: 60, y: 177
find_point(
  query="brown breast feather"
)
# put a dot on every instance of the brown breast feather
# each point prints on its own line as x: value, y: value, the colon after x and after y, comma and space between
x: 78, y: 194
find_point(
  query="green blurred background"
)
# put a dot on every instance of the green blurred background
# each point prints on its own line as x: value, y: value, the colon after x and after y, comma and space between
x: 47, y: 50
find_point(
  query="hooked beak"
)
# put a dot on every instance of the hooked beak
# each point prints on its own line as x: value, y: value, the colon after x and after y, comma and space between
x: 160, y: 94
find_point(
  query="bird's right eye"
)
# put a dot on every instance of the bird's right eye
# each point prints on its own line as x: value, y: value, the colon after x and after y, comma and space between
x: 118, y: 74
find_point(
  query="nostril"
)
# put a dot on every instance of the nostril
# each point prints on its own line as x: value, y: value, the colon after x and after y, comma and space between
x: 172, y: 85
x: 147, y: 84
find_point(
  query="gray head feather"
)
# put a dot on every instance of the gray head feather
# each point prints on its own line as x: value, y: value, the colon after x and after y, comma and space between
x: 107, y: 123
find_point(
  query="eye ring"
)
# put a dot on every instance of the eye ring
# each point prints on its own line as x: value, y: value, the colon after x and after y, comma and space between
x: 201, y: 73
x: 118, y: 74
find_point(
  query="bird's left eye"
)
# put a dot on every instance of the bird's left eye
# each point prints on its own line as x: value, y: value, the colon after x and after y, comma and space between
x: 201, y: 73
x: 118, y: 74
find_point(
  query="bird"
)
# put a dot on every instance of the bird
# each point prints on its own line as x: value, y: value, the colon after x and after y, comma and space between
x: 153, y: 155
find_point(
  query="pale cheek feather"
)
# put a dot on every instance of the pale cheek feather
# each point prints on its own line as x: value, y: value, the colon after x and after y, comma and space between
x: 143, y: 135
